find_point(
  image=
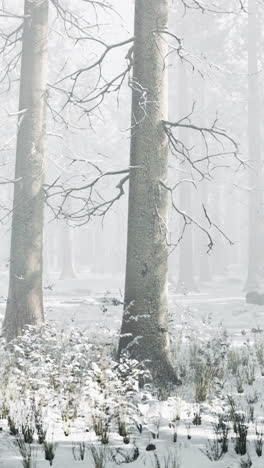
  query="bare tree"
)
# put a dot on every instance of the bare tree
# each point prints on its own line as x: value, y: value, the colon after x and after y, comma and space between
x: 255, y: 195
x: 25, y: 303
x: 144, y: 331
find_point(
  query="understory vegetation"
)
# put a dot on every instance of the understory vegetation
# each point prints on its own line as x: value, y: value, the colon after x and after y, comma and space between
x: 68, y: 386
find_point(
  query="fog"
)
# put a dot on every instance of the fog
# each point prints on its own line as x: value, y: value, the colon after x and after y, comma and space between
x: 131, y: 192
x: 214, y: 77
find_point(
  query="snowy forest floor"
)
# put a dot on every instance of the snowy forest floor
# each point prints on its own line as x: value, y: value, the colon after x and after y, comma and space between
x: 94, y: 302
x: 80, y: 301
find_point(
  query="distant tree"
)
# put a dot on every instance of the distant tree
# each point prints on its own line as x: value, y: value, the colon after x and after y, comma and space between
x: 66, y: 232
x: 25, y: 303
x: 255, y: 214
x: 186, y: 280
x: 67, y: 253
x: 205, y: 272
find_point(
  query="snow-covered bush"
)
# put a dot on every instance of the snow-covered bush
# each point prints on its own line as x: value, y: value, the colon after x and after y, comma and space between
x: 49, y: 376
x: 207, y: 364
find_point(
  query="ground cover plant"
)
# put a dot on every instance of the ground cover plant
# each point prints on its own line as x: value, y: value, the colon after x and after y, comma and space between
x: 65, y: 398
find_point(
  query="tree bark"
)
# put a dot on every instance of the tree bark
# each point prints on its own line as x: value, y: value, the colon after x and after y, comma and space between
x: 144, y: 331
x: 255, y: 199
x: 25, y: 301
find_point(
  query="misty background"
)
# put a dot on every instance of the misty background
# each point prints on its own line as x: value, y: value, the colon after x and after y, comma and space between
x: 214, y: 77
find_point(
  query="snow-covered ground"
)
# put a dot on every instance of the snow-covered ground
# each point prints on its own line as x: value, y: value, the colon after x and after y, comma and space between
x: 94, y: 303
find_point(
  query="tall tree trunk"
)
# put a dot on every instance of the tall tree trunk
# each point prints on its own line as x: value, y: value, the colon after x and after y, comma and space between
x: 25, y: 302
x: 254, y: 222
x: 144, y: 331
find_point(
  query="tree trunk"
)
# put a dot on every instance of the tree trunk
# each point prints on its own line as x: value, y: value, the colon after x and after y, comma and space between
x: 255, y: 209
x: 144, y: 331
x: 25, y: 302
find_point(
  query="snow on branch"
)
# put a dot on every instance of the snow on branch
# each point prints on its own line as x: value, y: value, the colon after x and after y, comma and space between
x: 212, y: 136
x: 229, y: 7
x: 91, y: 98
x: 8, y: 50
x: 188, y: 219
x: 85, y: 200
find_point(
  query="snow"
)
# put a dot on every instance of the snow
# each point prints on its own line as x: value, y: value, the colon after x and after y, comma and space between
x: 87, y: 303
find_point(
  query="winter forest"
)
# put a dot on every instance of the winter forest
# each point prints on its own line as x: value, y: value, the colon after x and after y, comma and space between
x: 131, y: 224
